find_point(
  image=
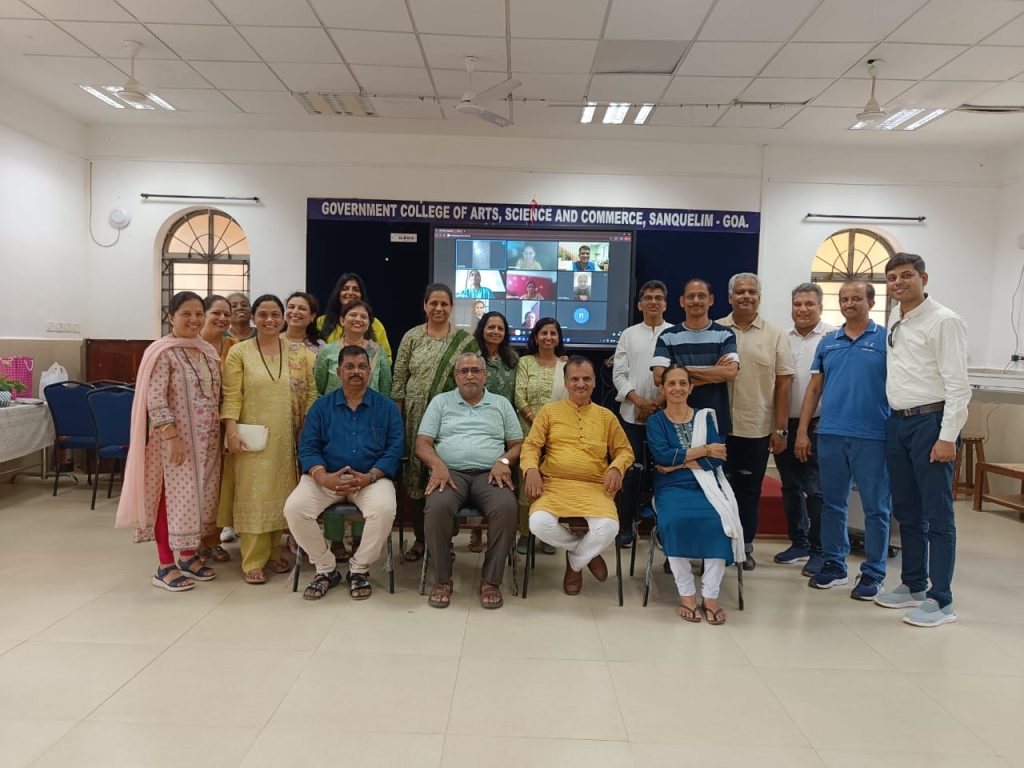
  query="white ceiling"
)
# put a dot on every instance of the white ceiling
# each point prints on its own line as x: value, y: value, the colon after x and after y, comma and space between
x: 233, y: 63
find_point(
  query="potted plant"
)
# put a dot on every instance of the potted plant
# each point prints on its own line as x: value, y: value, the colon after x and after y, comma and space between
x: 6, y: 387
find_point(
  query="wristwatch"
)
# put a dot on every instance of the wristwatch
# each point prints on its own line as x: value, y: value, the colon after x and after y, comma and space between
x: 505, y: 461
x: 782, y: 432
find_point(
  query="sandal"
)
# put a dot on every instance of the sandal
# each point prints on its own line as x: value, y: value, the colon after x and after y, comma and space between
x: 320, y: 584
x: 279, y: 566
x: 691, y: 614
x: 341, y: 555
x: 490, y: 595
x: 358, y: 586
x: 200, y: 573
x: 476, y: 540
x: 255, y: 576
x: 714, y: 617
x: 180, y: 583
x: 415, y: 551
x: 218, y: 554
x: 440, y: 595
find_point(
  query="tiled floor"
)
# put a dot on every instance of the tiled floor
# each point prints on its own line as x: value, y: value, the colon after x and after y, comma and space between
x: 98, y: 668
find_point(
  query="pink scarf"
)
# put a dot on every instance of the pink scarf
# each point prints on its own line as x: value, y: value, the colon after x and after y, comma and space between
x: 131, y: 510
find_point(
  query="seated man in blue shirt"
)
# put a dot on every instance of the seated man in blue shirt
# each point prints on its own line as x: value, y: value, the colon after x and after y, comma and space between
x: 469, y: 438
x: 349, y: 450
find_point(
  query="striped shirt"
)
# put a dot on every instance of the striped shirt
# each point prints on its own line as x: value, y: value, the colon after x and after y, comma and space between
x: 701, y: 348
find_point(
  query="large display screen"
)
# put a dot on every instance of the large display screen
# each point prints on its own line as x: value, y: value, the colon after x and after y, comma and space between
x: 580, y: 277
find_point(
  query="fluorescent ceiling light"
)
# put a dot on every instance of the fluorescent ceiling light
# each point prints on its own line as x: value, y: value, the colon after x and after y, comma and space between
x: 643, y: 114
x: 102, y: 96
x: 588, y: 112
x: 935, y: 113
x: 160, y: 102
x: 615, y: 113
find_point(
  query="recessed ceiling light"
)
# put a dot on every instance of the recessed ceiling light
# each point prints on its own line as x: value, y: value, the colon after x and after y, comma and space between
x: 642, y: 114
x: 935, y: 113
x: 588, y: 112
x: 102, y: 96
x: 615, y: 113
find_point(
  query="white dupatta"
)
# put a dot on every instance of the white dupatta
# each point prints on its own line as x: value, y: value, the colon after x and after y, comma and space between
x: 717, y: 489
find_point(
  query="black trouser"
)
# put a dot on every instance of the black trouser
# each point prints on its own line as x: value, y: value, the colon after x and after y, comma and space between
x: 629, y: 500
x: 442, y: 507
x: 745, y: 466
x: 801, y: 490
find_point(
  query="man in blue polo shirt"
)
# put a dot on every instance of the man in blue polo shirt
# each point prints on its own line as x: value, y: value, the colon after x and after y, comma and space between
x: 350, y: 447
x: 469, y: 438
x: 706, y: 348
x: 848, y: 377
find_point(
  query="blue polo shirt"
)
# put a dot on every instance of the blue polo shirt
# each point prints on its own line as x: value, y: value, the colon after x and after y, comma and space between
x: 337, y: 436
x: 683, y: 346
x: 853, y: 401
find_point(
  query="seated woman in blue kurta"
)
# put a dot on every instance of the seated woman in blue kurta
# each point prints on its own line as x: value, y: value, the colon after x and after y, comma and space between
x: 697, y: 514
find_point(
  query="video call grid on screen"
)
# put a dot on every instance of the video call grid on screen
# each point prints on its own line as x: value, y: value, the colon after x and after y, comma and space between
x: 580, y: 277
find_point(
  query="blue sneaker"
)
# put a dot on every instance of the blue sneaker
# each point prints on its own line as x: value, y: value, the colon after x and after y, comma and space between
x: 867, y: 588
x: 832, y: 574
x: 793, y: 554
x: 813, y: 565
x: 928, y: 614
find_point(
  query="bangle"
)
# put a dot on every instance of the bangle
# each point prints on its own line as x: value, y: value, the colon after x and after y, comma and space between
x: 707, y: 449
x: 313, y: 473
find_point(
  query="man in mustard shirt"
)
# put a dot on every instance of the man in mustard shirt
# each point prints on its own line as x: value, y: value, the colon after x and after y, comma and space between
x: 575, y: 477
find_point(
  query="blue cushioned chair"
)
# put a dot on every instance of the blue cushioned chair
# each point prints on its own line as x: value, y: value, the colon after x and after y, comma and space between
x: 71, y: 421
x: 111, y: 412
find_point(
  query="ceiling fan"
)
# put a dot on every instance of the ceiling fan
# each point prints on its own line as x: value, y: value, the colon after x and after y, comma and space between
x: 133, y: 92
x: 470, y: 102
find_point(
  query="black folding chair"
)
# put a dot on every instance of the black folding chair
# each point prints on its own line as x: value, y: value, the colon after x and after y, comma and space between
x: 469, y: 517
x: 577, y: 525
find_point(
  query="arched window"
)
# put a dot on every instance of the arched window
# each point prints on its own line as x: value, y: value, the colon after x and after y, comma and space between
x: 852, y: 254
x: 205, y: 251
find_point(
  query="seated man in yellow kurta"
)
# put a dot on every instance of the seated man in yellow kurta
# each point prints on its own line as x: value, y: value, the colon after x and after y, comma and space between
x: 575, y: 477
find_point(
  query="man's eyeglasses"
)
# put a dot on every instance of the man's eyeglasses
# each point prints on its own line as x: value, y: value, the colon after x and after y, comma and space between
x: 656, y: 299
x: 892, y: 333
x: 468, y: 371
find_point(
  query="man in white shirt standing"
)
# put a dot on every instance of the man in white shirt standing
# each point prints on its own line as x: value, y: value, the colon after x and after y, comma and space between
x: 635, y: 389
x: 801, y: 490
x: 929, y: 393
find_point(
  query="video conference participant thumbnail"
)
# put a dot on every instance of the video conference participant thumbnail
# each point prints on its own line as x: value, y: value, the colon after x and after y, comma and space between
x: 467, y: 312
x: 480, y: 254
x: 582, y: 286
x: 533, y: 255
x: 523, y: 315
x: 534, y: 286
x: 582, y: 257
x: 479, y: 284
x: 582, y: 316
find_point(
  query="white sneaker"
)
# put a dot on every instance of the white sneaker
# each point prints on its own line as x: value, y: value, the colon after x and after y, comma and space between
x: 901, y: 597
x: 928, y: 614
x: 228, y: 534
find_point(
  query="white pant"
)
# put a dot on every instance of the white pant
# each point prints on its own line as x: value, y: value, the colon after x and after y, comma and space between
x: 581, y: 549
x: 710, y: 582
x: 377, y: 503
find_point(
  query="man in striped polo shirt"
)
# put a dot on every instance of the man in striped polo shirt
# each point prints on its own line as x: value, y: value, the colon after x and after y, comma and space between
x: 706, y: 348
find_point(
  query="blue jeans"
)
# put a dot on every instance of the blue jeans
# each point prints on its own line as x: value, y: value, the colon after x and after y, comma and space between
x: 857, y: 459
x: 801, y: 490
x: 922, y: 503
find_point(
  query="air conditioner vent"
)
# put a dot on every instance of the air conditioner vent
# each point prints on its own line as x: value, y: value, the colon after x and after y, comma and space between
x: 331, y: 103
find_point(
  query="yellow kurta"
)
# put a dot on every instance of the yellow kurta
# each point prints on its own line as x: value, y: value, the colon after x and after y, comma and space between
x: 262, y: 480
x: 577, y: 442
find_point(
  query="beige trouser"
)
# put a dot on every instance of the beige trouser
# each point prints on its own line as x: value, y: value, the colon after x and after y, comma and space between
x: 377, y: 503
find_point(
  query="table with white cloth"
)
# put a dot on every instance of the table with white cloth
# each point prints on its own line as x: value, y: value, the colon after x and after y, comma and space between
x: 25, y: 429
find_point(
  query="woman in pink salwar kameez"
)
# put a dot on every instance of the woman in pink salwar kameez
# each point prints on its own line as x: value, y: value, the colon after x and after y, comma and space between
x: 172, y: 476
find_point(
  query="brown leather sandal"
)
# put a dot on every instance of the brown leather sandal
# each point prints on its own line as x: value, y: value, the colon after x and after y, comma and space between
x: 441, y: 595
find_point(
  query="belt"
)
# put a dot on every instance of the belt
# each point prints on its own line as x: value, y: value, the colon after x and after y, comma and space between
x: 930, y: 408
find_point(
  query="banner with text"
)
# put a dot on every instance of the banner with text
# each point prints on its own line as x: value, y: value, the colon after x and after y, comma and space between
x: 532, y: 215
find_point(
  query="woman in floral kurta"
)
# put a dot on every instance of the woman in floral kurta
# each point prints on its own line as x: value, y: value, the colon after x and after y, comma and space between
x: 172, y: 476
x: 268, y: 382
x: 424, y: 367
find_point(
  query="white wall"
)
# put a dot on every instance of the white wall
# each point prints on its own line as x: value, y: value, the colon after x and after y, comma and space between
x: 43, y: 235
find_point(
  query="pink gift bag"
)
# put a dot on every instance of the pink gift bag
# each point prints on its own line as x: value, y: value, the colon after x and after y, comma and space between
x: 18, y: 368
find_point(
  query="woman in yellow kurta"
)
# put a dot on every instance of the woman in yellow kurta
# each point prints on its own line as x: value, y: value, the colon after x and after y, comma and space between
x: 270, y: 383
x: 576, y: 478
x: 349, y: 287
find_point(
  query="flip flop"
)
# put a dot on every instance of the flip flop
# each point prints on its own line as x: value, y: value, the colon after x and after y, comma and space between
x: 686, y: 613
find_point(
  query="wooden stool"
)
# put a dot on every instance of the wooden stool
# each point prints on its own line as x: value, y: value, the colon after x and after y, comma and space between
x: 968, y: 446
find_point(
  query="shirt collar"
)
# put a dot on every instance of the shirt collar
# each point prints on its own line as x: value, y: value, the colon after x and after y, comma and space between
x: 341, y: 402
x: 818, y: 330
x: 758, y: 322
x: 923, y: 308
x: 685, y: 327
x: 486, y: 399
x: 871, y: 327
